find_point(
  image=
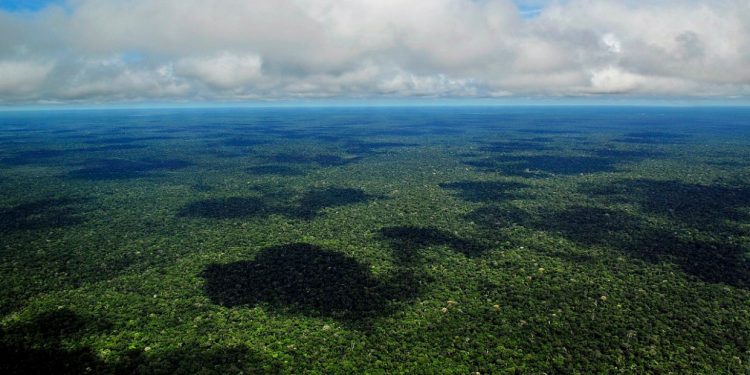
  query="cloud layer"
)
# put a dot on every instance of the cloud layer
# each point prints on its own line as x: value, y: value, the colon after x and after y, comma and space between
x: 121, y: 50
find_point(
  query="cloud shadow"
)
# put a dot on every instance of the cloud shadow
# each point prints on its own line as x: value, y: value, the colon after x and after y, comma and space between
x: 305, y: 207
x: 118, y: 169
x: 307, y: 279
x: 42, y: 214
x: 710, y: 260
x: 486, y: 191
x: 407, y: 241
x: 274, y: 169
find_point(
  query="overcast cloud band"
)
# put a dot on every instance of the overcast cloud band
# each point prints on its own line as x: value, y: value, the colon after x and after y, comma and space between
x: 119, y: 50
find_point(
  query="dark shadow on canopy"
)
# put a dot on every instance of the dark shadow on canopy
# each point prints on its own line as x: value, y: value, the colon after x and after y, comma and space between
x: 323, y: 160
x: 710, y: 260
x: 715, y: 206
x: 227, y: 208
x: 310, y: 280
x: 45, y: 156
x: 42, y: 214
x: 544, y: 165
x: 116, y: 169
x: 653, y: 138
x: 274, y: 169
x: 38, y: 347
x: 306, y: 207
x: 486, y: 191
x: 406, y: 241
x: 312, y: 202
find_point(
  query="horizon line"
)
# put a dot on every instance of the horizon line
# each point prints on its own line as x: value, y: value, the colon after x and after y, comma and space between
x: 385, y: 103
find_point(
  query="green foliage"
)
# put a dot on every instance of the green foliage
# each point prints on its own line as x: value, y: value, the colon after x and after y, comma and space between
x: 352, y: 241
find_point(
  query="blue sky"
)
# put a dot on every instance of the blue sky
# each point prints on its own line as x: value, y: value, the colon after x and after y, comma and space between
x: 27, y: 5
x: 530, y: 9
x: 527, y: 8
x: 195, y: 51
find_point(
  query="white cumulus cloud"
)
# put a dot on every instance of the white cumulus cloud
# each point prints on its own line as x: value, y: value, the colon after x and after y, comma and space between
x: 22, y: 77
x: 119, y: 50
x: 223, y: 71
